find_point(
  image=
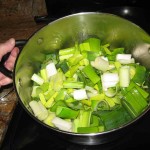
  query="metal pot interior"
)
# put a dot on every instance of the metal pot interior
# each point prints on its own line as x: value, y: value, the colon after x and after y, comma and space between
x: 65, y: 31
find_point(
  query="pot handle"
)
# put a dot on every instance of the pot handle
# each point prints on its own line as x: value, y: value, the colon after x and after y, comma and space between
x: 20, y: 43
x: 5, y: 71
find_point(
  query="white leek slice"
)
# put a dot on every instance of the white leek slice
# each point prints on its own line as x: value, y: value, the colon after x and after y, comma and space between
x: 125, y: 58
x: 36, y: 78
x: 124, y: 76
x: 62, y: 124
x: 109, y: 80
x: 51, y: 69
x: 49, y: 119
x: 124, y: 61
x: 89, y: 94
x: 35, y: 107
x: 39, y: 110
x: 80, y: 94
x: 111, y: 92
x: 34, y: 93
x: 44, y: 112
x: 111, y: 66
x: 91, y: 89
x: 100, y: 63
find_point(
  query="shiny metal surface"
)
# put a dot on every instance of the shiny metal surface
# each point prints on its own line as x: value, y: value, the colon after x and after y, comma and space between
x: 64, y: 32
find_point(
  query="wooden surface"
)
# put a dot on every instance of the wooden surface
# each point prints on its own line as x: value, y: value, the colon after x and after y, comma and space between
x: 17, y: 21
x: 16, y: 8
x: 18, y: 28
x: 17, y: 18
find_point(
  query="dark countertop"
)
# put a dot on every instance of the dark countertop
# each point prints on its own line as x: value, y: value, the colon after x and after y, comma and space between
x: 18, y: 28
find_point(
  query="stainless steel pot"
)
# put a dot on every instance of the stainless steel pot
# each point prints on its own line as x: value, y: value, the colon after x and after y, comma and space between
x: 63, y: 33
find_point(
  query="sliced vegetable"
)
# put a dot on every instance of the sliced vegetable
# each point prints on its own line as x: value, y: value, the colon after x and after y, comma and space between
x: 39, y: 110
x: 66, y: 113
x: 94, y: 44
x: 88, y: 129
x: 84, y: 118
x: 91, y: 74
x: 100, y: 64
x: 80, y: 94
x: 124, y: 58
x: 89, y: 88
x: 64, y: 66
x: 49, y: 119
x: 67, y: 51
x: 37, y: 79
x: 109, y: 80
x: 62, y: 124
x: 140, y: 73
x: 124, y: 76
x: 73, y: 84
x: 51, y: 69
x: 114, y: 118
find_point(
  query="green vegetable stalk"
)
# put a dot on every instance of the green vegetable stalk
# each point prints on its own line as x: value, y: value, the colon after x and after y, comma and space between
x: 91, y: 74
x: 66, y: 113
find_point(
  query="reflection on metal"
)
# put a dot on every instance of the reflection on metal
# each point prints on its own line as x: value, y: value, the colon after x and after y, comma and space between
x: 142, y: 54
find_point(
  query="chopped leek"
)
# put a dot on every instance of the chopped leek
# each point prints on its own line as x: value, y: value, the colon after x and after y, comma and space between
x: 68, y: 84
x: 94, y: 44
x: 51, y: 69
x: 100, y: 64
x: 88, y: 129
x: 80, y: 94
x: 124, y: 76
x: 89, y: 88
x: 109, y: 80
x: 140, y: 74
x: 62, y: 124
x: 39, y: 110
x: 49, y: 119
x: 66, y: 113
x: 91, y: 74
x: 37, y: 79
x: 67, y: 51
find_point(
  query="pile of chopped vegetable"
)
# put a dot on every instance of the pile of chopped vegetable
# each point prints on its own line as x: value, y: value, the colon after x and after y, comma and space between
x: 89, y: 88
